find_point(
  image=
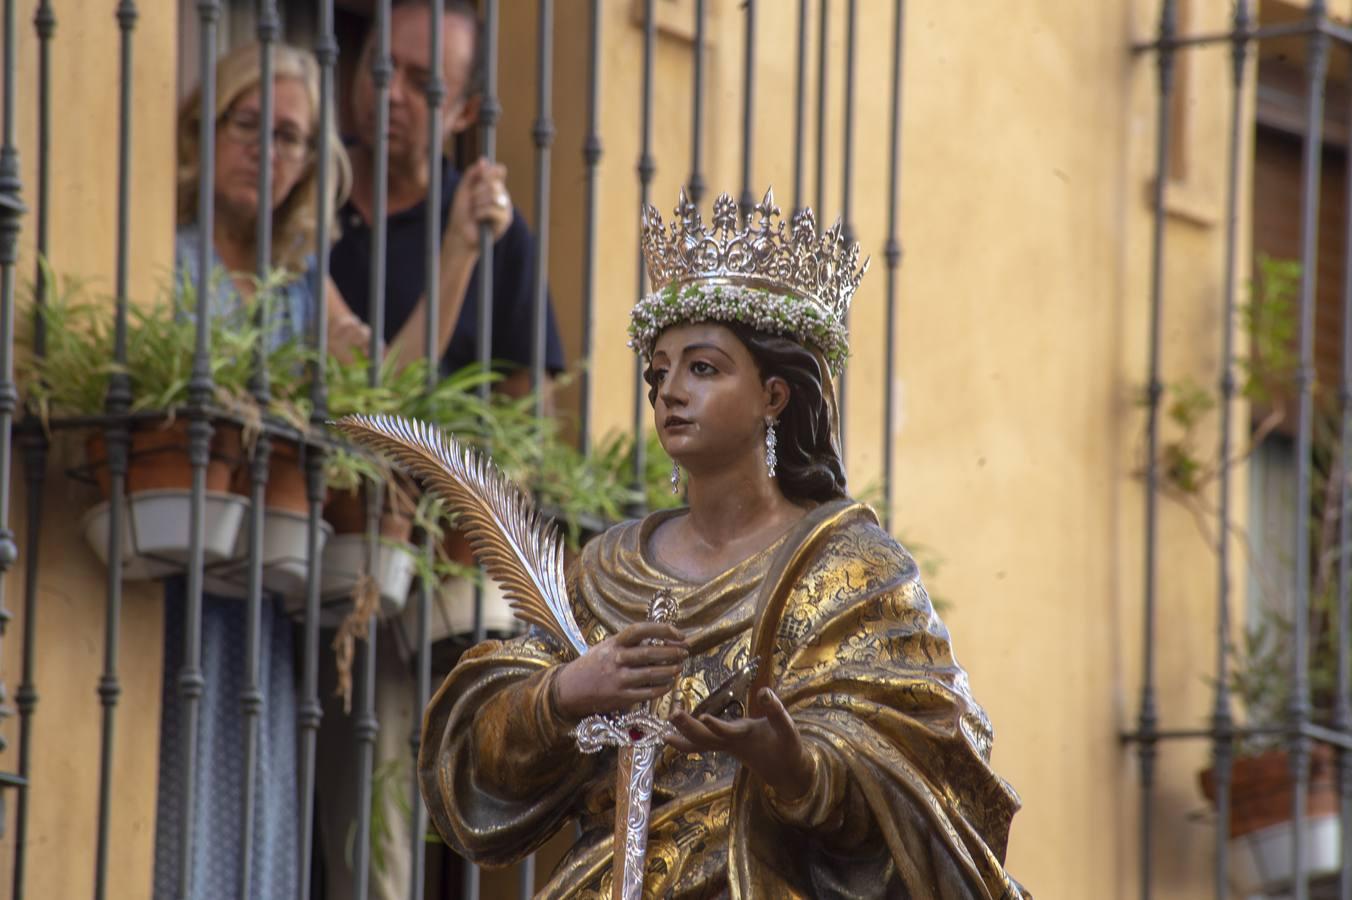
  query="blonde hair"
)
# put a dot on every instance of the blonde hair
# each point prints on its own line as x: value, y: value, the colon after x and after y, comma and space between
x: 295, y: 220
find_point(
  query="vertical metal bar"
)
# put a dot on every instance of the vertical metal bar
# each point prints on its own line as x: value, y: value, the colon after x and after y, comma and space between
x: 696, y: 185
x: 647, y: 168
x: 489, y: 112
x: 526, y: 875
x: 800, y: 109
x: 35, y: 474
x: 309, y: 711
x: 191, y: 681
x: 418, y: 812
x: 251, y: 693
x: 1222, y: 719
x: 10, y: 214
x: 44, y: 23
x: 1342, y: 708
x: 543, y: 135
x: 591, y: 157
x: 892, y: 253
x: 847, y: 188
x: 1299, y: 711
x: 748, y: 198
x: 823, y: 100
x: 117, y: 438
x: 469, y: 881
x: 35, y: 450
x: 1148, y: 716
x: 268, y: 29
x: 435, y: 94
x: 365, y: 725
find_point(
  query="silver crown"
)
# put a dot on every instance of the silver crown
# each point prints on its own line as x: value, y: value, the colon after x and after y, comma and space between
x: 759, y: 249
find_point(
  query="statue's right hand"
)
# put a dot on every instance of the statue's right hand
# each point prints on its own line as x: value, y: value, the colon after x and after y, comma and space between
x: 622, y: 670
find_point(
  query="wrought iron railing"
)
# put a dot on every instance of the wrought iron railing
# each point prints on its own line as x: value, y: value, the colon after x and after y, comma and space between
x: 201, y: 413
x: 1299, y: 731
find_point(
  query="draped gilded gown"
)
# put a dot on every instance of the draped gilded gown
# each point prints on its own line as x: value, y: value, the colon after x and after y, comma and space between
x: 903, y: 802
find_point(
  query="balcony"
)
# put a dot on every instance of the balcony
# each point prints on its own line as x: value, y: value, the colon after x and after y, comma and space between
x: 1086, y: 199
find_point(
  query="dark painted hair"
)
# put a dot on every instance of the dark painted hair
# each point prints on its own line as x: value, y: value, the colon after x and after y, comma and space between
x: 809, y: 466
x: 466, y: 10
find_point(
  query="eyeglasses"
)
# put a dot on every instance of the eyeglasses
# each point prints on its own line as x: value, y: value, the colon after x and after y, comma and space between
x: 243, y: 127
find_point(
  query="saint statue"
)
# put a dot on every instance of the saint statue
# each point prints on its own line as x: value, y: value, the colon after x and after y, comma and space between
x: 856, y: 763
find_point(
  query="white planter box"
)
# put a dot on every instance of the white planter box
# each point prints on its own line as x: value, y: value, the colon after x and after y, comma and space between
x: 285, y: 540
x: 155, y: 531
x: 1260, y: 862
x: 393, y: 569
x: 452, y: 615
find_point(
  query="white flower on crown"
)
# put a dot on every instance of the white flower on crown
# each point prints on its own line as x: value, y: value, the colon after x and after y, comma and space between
x: 775, y: 277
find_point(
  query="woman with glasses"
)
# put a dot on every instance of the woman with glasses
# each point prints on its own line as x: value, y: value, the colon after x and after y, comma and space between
x: 235, y: 185
x: 233, y: 179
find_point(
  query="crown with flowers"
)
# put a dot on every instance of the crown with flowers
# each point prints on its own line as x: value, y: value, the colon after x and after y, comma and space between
x: 775, y: 276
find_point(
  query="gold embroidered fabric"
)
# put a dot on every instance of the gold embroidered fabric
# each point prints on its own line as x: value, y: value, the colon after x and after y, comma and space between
x: 903, y: 802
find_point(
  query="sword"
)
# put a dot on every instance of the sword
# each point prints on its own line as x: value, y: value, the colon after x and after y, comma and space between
x: 639, y: 735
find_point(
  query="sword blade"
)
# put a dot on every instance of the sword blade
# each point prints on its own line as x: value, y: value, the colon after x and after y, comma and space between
x: 633, y: 806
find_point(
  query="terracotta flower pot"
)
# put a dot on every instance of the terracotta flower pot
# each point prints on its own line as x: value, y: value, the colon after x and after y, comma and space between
x: 346, y: 511
x: 286, y: 489
x: 457, y: 548
x: 158, y: 458
x: 1261, y: 786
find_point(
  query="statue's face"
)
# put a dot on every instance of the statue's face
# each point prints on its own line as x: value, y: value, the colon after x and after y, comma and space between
x: 711, y: 403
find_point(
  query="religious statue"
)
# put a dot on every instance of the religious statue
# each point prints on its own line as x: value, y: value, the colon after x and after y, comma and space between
x: 751, y: 696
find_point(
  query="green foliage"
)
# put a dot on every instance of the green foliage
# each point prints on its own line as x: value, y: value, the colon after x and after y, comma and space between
x: 1261, y: 676
x: 389, y: 788
x: 71, y: 378
x: 353, y: 392
x: 1270, y: 319
x: 1261, y: 670
x: 1266, y: 373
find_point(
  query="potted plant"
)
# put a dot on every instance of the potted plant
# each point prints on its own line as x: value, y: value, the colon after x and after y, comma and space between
x: 371, y: 573
x: 286, y: 521
x: 71, y: 379
x: 1261, y: 786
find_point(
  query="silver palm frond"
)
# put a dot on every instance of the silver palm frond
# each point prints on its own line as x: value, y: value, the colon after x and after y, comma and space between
x: 514, y: 542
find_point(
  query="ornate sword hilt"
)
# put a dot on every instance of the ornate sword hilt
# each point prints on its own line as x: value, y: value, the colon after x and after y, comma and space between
x: 639, y: 728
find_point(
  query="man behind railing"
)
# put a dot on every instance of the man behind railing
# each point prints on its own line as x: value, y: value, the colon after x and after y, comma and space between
x: 477, y: 195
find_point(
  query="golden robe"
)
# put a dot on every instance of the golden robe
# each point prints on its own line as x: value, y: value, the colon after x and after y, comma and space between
x: 903, y: 802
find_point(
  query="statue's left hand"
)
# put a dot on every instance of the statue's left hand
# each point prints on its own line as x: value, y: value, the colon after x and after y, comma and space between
x: 769, y: 745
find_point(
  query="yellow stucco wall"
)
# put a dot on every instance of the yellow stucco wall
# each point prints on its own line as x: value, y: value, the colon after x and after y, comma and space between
x: 1021, y: 349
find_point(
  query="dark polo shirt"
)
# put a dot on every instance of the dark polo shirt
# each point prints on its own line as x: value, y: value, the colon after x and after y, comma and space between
x: 406, y: 279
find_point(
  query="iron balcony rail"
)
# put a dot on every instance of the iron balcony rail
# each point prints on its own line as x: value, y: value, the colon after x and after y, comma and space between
x: 117, y: 421
x: 1299, y: 731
